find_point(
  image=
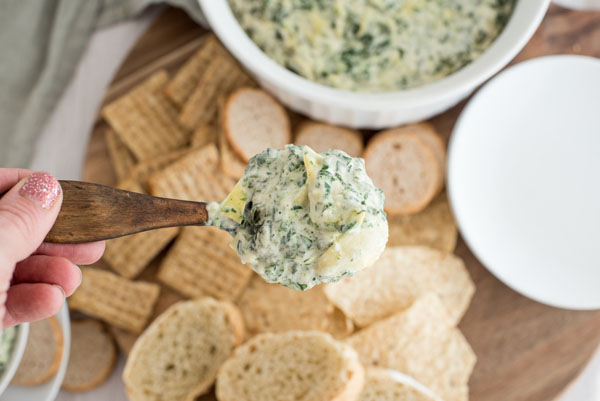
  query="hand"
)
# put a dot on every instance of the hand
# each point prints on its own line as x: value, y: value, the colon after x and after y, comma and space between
x: 35, y: 277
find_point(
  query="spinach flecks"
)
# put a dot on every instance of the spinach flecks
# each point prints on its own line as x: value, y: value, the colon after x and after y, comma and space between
x: 373, y: 46
x: 289, y: 222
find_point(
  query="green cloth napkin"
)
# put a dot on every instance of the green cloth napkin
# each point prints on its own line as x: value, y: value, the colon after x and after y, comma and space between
x: 41, y: 42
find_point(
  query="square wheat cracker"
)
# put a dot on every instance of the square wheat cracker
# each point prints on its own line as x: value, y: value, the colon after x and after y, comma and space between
x: 201, y: 263
x: 222, y: 76
x: 142, y: 171
x: 398, y: 278
x: 129, y: 255
x: 120, y: 156
x: 166, y: 298
x: 146, y: 120
x: 126, y: 339
x: 204, y: 134
x: 420, y: 342
x: 195, y: 177
x: 185, y: 80
x: 114, y: 299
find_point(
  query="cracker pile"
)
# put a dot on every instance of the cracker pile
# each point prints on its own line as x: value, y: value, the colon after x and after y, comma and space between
x: 163, y: 138
x: 181, y: 304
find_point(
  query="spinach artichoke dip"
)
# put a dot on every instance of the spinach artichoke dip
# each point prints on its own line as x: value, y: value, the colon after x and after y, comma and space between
x: 373, y: 45
x: 301, y: 218
x: 7, y: 341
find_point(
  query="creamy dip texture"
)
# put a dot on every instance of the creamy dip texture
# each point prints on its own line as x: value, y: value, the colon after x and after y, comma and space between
x: 373, y: 45
x: 301, y: 218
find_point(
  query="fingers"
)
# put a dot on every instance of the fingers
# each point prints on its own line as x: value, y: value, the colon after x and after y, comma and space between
x: 10, y: 176
x: 49, y: 270
x: 31, y: 302
x: 27, y: 212
x: 81, y: 254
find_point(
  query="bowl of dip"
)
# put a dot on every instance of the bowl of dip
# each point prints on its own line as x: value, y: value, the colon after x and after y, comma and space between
x: 373, y: 64
x: 12, y: 346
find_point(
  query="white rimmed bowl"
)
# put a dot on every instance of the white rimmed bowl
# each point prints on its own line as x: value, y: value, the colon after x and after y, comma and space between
x: 15, y: 357
x: 373, y: 110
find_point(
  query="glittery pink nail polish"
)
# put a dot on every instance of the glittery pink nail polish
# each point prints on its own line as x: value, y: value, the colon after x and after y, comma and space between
x: 41, y: 188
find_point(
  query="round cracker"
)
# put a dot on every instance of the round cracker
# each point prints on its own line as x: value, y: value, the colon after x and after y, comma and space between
x: 43, y: 353
x: 321, y: 137
x: 405, y: 167
x: 93, y: 356
x: 304, y: 362
x: 177, y: 357
x: 253, y: 121
x: 426, y: 131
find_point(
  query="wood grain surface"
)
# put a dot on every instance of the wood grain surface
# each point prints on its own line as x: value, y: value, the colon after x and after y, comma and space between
x: 527, y: 351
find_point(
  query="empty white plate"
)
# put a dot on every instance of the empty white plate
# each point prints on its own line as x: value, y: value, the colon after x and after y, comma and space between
x: 524, y: 179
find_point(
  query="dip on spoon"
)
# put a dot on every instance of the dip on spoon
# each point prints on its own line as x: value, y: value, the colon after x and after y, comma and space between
x: 297, y: 217
x: 300, y: 218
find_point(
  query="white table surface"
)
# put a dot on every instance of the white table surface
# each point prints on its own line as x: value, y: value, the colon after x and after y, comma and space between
x: 61, y: 151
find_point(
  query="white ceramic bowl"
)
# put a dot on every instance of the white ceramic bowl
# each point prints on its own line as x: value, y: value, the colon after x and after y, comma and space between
x: 15, y: 357
x: 373, y: 110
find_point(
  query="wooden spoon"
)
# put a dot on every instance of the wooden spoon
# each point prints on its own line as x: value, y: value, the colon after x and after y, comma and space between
x: 92, y: 212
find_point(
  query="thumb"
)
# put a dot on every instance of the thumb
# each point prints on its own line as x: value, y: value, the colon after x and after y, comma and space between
x: 27, y: 212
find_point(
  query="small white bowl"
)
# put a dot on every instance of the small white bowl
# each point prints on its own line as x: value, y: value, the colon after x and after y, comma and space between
x: 373, y: 110
x: 15, y: 357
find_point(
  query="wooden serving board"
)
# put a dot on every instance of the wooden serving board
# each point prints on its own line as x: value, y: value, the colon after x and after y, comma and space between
x: 526, y: 351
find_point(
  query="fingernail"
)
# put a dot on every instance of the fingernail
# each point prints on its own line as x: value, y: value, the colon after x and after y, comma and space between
x: 41, y: 188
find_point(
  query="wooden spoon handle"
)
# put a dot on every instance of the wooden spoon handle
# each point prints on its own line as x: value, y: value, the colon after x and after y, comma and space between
x: 92, y: 212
